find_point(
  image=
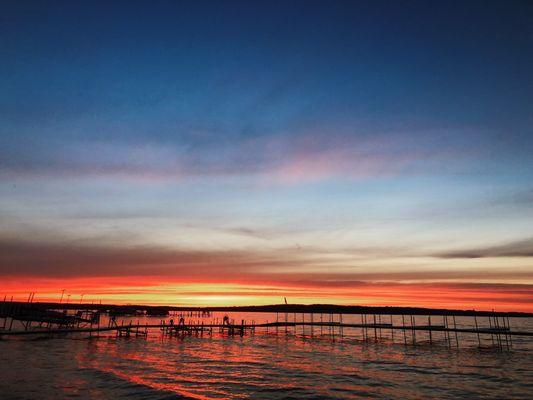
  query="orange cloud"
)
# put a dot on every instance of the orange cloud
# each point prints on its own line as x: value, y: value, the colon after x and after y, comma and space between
x: 162, y: 290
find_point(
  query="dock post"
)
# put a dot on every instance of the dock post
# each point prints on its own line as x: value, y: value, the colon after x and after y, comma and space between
x: 498, y: 330
x: 312, y: 325
x: 2, y: 313
x: 477, y: 331
x: 510, y: 336
x: 391, y: 330
x: 413, y: 324
x: 449, y: 342
x: 332, y: 327
x: 429, y: 324
x: 495, y: 325
x: 404, y: 333
x: 445, y: 332
x: 491, y: 333
x: 375, y: 330
x: 506, y: 330
x: 456, y: 335
x: 501, y: 324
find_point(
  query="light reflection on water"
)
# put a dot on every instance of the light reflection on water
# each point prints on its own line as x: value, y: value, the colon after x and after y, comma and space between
x: 262, y: 367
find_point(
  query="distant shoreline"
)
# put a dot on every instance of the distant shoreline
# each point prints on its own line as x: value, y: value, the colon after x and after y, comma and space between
x: 280, y: 308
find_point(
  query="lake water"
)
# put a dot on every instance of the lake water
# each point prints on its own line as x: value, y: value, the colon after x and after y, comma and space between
x: 267, y: 365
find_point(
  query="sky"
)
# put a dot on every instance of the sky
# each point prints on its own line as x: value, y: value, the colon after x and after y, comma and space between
x: 231, y: 153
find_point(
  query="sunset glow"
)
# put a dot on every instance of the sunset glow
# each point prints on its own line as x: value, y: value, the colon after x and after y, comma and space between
x: 208, y: 156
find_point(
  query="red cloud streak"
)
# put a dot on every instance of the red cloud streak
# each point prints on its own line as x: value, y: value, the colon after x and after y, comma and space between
x: 162, y: 290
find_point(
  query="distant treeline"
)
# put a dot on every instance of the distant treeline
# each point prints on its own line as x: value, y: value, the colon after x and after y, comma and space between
x: 132, y: 309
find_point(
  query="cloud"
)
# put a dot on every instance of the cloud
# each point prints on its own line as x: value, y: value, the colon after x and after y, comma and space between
x: 57, y: 259
x: 163, y: 275
x: 299, y: 267
x: 312, y: 154
x: 165, y: 290
x: 520, y: 248
x: 521, y: 198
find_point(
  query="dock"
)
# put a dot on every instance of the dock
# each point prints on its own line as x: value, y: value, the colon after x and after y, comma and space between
x: 491, y: 330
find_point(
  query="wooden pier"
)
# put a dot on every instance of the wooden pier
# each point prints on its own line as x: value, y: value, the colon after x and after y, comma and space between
x: 491, y: 330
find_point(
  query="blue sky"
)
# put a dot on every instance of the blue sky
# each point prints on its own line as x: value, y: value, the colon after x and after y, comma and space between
x: 324, y: 138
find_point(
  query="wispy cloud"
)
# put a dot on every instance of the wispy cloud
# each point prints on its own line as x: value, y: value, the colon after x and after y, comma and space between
x: 307, y: 266
x: 520, y: 248
x: 301, y: 156
x: 19, y: 257
x: 153, y: 290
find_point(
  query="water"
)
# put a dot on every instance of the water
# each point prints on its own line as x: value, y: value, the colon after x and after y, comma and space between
x: 264, y: 366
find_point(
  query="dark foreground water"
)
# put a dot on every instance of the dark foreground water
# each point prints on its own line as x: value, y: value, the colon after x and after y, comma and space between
x: 263, y: 366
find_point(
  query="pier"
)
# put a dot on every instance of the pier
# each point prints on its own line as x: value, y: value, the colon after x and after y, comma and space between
x: 490, y: 329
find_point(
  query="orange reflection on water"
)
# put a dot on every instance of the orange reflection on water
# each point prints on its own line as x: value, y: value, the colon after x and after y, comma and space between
x: 233, y: 367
